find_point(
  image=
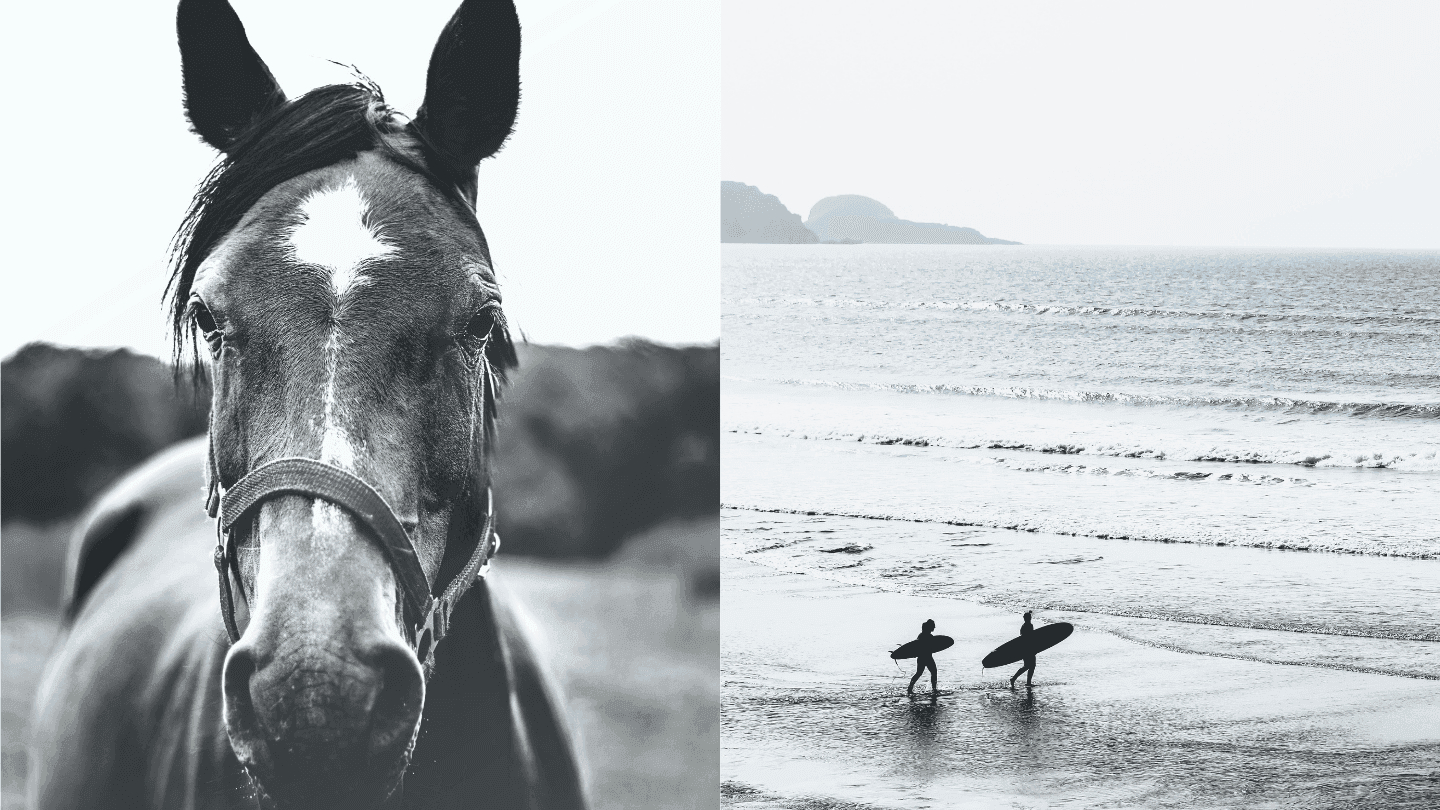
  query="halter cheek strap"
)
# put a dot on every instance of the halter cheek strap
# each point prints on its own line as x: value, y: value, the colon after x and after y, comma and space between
x: 427, y: 616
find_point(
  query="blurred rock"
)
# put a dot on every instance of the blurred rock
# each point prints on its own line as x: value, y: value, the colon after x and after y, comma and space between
x: 75, y: 419
x: 601, y: 443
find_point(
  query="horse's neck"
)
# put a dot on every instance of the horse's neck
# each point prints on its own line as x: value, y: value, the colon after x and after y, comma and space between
x: 468, y: 732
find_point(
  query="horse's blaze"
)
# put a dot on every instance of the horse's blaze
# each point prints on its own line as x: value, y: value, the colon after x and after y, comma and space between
x: 333, y: 234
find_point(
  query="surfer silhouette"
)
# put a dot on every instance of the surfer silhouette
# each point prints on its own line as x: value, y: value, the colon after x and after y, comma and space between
x: 1026, y: 629
x: 924, y: 660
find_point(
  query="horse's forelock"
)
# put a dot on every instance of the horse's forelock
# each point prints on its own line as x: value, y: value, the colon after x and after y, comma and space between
x: 318, y: 129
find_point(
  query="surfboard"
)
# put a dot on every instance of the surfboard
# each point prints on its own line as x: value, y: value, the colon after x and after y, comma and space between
x: 921, y: 646
x: 1020, y: 647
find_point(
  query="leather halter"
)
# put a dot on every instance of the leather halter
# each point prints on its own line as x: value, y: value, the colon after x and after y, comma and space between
x: 427, y: 616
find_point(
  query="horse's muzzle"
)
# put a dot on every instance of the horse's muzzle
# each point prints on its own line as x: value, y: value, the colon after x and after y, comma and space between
x: 323, y: 695
x: 319, y: 729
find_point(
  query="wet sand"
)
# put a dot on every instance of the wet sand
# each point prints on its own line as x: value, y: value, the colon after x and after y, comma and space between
x: 814, y: 715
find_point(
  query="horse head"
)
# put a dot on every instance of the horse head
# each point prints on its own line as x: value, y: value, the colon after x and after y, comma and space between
x: 333, y: 277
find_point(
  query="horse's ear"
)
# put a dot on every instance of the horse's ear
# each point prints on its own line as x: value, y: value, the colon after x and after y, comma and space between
x: 473, y: 87
x: 227, y: 85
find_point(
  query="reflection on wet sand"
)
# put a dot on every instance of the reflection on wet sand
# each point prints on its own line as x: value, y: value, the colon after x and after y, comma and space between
x: 820, y: 719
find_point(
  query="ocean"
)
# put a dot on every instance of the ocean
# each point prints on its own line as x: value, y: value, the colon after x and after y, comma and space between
x: 1230, y: 453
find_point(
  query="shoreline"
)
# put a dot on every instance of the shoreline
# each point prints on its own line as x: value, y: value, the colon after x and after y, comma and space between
x: 1359, y: 614
x: 814, y: 714
x: 969, y: 524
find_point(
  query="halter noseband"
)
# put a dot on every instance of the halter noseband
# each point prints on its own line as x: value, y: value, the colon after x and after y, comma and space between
x: 427, y: 616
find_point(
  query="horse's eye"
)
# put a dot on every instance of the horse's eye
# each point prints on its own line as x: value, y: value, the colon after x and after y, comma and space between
x: 481, y: 325
x: 204, y: 321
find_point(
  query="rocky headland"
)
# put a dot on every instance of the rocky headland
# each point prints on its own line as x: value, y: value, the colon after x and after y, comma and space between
x: 748, y: 214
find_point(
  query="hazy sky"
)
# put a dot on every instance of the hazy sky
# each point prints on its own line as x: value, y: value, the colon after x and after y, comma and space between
x: 1285, y: 124
x: 600, y: 213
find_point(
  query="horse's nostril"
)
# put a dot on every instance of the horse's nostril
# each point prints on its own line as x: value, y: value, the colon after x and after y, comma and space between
x: 240, y: 717
x: 398, y: 703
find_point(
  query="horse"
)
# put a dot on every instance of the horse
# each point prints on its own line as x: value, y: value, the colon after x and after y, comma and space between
x: 332, y: 281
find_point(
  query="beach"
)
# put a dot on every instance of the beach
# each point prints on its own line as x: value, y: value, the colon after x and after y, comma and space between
x: 815, y: 714
x: 1219, y: 464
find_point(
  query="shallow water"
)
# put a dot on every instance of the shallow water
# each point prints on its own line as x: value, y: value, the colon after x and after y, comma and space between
x: 1150, y: 368
x: 1255, y: 397
x: 1371, y: 614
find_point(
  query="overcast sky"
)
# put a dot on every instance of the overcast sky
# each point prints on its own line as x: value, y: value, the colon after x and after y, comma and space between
x: 1287, y: 124
x: 600, y: 213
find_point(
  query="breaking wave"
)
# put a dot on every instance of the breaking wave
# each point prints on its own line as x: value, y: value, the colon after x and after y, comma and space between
x: 1418, y: 549
x: 1289, y: 405
x: 1353, y: 319
x: 1427, y: 460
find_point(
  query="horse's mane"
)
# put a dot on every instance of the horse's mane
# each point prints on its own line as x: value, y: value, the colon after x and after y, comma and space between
x: 321, y: 128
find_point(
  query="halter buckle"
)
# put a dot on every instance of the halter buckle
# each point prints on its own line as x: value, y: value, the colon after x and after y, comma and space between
x: 434, y: 628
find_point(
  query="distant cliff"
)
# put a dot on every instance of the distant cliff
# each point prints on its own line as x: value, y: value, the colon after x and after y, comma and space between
x: 852, y: 218
x: 748, y: 214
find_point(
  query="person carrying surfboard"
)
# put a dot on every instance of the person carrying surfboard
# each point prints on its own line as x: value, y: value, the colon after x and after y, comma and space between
x: 1026, y: 646
x: 1026, y: 629
x: 925, y: 660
